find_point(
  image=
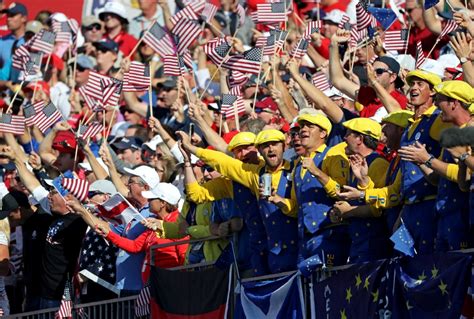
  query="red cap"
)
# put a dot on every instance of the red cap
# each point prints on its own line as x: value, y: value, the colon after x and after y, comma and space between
x: 65, y: 142
x: 228, y: 136
x: 39, y: 85
x: 267, y: 103
x: 54, y: 61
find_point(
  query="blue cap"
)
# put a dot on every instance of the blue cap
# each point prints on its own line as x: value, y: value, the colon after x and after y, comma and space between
x: 16, y: 8
x: 107, y: 44
x: 84, y: 61
x: 129, y: 143
x: 57, y: 183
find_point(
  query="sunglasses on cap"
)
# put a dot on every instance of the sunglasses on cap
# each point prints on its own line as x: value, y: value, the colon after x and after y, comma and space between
x: 380, y: 71
x: 94, y: 26
x: 94, y: 193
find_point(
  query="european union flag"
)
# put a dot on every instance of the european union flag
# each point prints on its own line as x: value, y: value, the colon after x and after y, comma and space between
x: 403, y: 241
x: 273, y: 299
x: 309, y: 265
x: 386, y: 17
x: 430, y: 3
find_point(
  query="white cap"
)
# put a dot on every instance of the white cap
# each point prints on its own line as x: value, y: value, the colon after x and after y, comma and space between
x: 335, y: 16
x: 88, y: 168
x: 164, y: 191
x: 58, y: 16
x: 406, y: 61
x: 147, y: 173
x: 115, y: 8
x: 433, y: 66
x: 449, y: 61
x: 103, y: 186
x: 335, y: 92
x: 153, y: 143
x: 119, y: 129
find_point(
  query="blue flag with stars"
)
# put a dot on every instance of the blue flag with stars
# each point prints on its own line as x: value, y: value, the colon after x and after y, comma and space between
x: 386, y: 17
x: 430, y: 3
x: 404, y: 241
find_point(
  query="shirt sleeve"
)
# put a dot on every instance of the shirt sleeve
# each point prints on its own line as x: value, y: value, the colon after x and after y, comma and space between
x: 452, y: 172
x: 213, y: 190
x: 378, y: 171
x: 385, y: 197
x: 132, y: 246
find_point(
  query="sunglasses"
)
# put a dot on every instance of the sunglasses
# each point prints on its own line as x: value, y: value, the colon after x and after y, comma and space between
x: 207, y: 168
x: 80, y: 68
x: 92, y: 194
x: 95, y: 27
x: 380, y: 71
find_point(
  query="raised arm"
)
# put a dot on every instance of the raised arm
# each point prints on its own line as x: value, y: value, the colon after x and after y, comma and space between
x: 46, y: 147
x: 336, y: 72
x: 114, y: 175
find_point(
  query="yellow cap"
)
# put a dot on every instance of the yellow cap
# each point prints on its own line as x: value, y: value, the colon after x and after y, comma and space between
x: 242, y: 138
x: 458, y: 90
x: 399, y: 118
x: 269, y: 136
x: 364, y: 126
x: 429, y: 77
x: 318, y: 119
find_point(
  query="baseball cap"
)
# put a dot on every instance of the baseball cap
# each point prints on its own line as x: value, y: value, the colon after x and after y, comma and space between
x: 11, y: 201
x: 33, y: 26
x: 269, y: 136
x: 83, y: 61
x: 103, y: 186
x: 334, y: 16
x: 169, y: 83
x: 242, y: 138
x: 458, y: 90
x: 153, y: 143
x: 164, y: 191
x: 433, y: 66
x: 115, y: 8
x: 107, y: 44
x: 38, y: 85
x: 90, y: 20
x: 128, y: 143
x: 393, y: 66
x: 364, y: 126
x: 65, y: 142
x: 16, y: 8
x: 399, y: 118
x: 427, y: 76
x: 266, y: 103
x: 318, y: 119
x: 147, y: 173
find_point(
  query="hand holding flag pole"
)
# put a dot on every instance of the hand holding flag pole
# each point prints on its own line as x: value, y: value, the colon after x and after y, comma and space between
x: 14, y: 97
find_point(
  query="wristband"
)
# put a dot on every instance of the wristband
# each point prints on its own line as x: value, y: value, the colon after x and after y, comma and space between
x: 429, y: 162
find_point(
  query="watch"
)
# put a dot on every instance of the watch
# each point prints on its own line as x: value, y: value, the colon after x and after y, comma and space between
x: 429, y: 162
x: 463, y: 60
x: 463, y: 157
x: 362, y: 196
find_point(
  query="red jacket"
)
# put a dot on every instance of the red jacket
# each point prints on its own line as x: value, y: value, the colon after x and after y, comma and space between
x: 166, y: 257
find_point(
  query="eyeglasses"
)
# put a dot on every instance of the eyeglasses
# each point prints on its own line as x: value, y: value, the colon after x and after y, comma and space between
x: 95, y: 27
x: 380, y: 71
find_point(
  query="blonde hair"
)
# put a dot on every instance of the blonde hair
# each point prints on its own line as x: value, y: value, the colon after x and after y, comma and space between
x: 5, y: 228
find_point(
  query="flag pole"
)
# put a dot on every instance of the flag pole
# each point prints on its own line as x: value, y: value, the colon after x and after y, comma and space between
x: 110, y: 124
x: 258, y: 82
x: 76, y: 151
x: 433, y: 47
x: 408, y: 39
x: 140, y: 40
x: 14, y: 97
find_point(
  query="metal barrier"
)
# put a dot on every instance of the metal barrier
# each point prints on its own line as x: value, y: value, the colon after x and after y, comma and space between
x: 121, y: 308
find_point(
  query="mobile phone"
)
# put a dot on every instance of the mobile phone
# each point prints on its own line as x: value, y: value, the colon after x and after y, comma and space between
x: 191, y: 130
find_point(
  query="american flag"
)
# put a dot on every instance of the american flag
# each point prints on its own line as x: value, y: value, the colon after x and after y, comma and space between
x: 65, y: 308
x: 43, y: 41
x: 174, y: 65
x: 364, y: 19
x: 159, y: 40
x: 77, y: 187
x: 14, y: 124
x: 89, y: 131
x: 248, y: 62
x: 271, y: 12
x: 281, y: 36
x: 372, y: 60
x: 299, y: 51
x: 355, y: 35
x: 267, y: 43
x: 137, y: 78
x: 232, y: 103
x: 93, y: 87
x: 345, y: 23
x: 217, y: 50
x: 396, y: 40
x: 31, y: 110
x: 142, y: 303
x: 312, y: 27
x: 118, y: 210
x: 111, y: 89
x: 48, y: 116
x: 450, y: 26
x: 420, y: 56
x: 321, y: 81
x: 63, y: 31
x: 90, y: 101
x: 191, y: 11
x: 28, y: 62
x: 187, y: 31
x: 208, y: 12
x: 237, y: 78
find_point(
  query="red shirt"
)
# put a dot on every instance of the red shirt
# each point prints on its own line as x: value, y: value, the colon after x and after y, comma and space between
x: 125, y: 41
x: 371, y: 103
x: 427, y: 39
x: 165, y: 257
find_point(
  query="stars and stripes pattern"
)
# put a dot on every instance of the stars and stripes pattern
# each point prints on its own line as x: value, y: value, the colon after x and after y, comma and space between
x: 208, y: 12
x: 187, y: 31
x: 77, y: 187
x: 450, y: 26
x: 232, y: 103
x: 159, y: 40
x: 46, y: 117
x: 26, y: 61
x: 90, y: 101
x: 420, y: 56
x: 270, y: 13
x: 111, y: 90
x: 65, y: 308
x: 66, y: 31
x: 320, y: 81
x: 43, y: 41
x: 267, y: 43
x: 345, y: 23
x: 142, y: 303
x: 364, y: 19
x: 14, y: 124
x: 312, y: 27
x: 237, y: 78
x: 299, y: 51
x: 90, y: 131
x: 248, y: 62
x: 137, y: 78
x: 280, y: 37
x: 93, y: 87
x: 217, y: 50
x: 396, y: 40
x: 191, y: 11
x: 31, y: 110
x: 20, y: 57
x: 174, y: 65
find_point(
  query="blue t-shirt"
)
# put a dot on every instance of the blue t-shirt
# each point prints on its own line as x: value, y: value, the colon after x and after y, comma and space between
x: 7, y: 73
x: 129, y: 266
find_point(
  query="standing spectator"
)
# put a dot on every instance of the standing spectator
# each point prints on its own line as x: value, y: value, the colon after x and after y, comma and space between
x: 17, y: 17
x: 151, y: 11
x: 93, y: 32
x: 115, y: 20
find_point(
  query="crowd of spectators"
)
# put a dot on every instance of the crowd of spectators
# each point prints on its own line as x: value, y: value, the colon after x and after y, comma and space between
x: 298, y: 177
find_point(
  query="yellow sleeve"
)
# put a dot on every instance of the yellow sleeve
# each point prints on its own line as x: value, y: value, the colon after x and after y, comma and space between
x: 171, y: 229
x: 452, y: 172
x: 385, y: 197
x: 215, y: 189
x: 438, y: 127
x: 245, y: 174
x: 294, y: 211
x: 378, y: 171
